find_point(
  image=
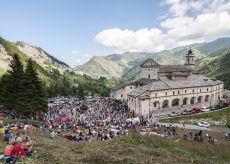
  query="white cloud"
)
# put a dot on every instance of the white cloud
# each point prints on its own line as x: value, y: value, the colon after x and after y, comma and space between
x: 185, y: 7
x: 133, y: 41
x: 187, y: 22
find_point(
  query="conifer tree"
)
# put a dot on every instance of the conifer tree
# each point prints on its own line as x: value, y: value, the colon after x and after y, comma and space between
x: 81, y: 94
x: 34, y: 92
x: 11, y: 84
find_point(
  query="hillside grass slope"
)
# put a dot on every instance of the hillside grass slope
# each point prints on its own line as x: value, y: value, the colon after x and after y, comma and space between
x: 127, y: 149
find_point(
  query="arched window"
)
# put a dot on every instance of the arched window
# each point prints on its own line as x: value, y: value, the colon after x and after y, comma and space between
x: 185, y: 101
x: 192, y: 101
x: 200, y: 99
x: 175, y: 102
x: 165, y: 104
x: 149, y: 76
x: 206, y: 98
x: 156, y: 104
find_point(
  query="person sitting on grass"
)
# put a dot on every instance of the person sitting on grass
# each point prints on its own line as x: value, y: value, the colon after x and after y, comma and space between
x: 53, y: 135
x: 18, y: 148
x: 8, y: 135
x: 28, y: 145
x: 9, y: 147
x: 8, y: 154
x: 2, y: 130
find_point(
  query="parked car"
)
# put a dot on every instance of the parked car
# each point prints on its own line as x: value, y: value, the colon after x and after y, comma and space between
x: 196, y: 110
x: 203, y: 124
x: 219, y: 106
x: 226, y: 104
x: 213, y: 108
x: 205, y: 109
x: 174, y: 114
x: 186, y: 112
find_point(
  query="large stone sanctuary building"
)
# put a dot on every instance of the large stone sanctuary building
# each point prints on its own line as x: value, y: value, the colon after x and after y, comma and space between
x: 163, y: 89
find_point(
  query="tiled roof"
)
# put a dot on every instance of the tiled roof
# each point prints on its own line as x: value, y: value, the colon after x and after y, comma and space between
x: 140, y: 81
x: 165, y: 84
x: 173, y: 68
x: 122, y: 85
x: 149, y: 63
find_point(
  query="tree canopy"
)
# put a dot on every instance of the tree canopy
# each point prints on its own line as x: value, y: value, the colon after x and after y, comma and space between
x: 22, y: 91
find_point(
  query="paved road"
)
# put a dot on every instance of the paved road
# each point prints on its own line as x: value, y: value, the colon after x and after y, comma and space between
x: 195, y: 127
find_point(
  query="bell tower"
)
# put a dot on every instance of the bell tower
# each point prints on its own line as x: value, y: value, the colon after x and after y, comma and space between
x: 189, y: 59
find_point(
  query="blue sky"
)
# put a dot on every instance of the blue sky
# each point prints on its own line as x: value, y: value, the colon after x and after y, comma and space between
x: 75, y: 30
x: 63, y: 26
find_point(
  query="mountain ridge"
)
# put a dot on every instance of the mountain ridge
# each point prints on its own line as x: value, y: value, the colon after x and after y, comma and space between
x: 128, y: 62
x: 57, y: 77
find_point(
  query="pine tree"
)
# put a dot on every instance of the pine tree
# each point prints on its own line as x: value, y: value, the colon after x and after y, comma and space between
x: 34, y: 92
x: 11, y: 84
x: 81, y: 94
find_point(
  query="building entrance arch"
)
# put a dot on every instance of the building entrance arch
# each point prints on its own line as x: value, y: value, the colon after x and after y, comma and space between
x: 185, y: 101
x: 200, y: 99
x: 192, y: 101
x: 176, y: 102
x: 165, y: 104
x: 156, y: 104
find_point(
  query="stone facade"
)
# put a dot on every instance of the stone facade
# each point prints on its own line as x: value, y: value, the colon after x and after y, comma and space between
x: 168, y: 88
x: 166, y: 101
x: 121, y: 93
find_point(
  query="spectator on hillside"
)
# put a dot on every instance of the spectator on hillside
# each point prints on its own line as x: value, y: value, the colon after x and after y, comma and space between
x: 28, y: 145
x: 53, y: 135
x: 9, y: 147
x: 8, y: 135
x: 18, y: 148
x: 2, y: 130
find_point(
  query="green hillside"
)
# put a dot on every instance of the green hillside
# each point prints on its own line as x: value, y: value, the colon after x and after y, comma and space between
x: 127, y: 64
x: 217, y: 66
x: 134, y: 148
x: 57, y: 76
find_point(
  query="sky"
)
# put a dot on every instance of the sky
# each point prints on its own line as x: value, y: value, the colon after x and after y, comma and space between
x: 76, y: 30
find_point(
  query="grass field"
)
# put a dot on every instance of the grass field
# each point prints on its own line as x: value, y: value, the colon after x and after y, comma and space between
x: 127, y: 149
x: 215, y: 115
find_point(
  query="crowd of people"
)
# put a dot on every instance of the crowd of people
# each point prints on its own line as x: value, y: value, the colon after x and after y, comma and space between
x: 199, y: 137
x: 89, y: 119
x: 86, y: 120
x: 102, y: 119
x: 17, y: 145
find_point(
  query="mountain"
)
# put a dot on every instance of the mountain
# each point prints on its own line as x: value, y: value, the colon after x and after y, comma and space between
x: 125, y: 66
x: 112, y: 66
x: 100, y: 66
x: 39, y: 55
x: 216, y: 65
x: 44, y: 61
x: 56, y: 75
x: 125, y: 63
